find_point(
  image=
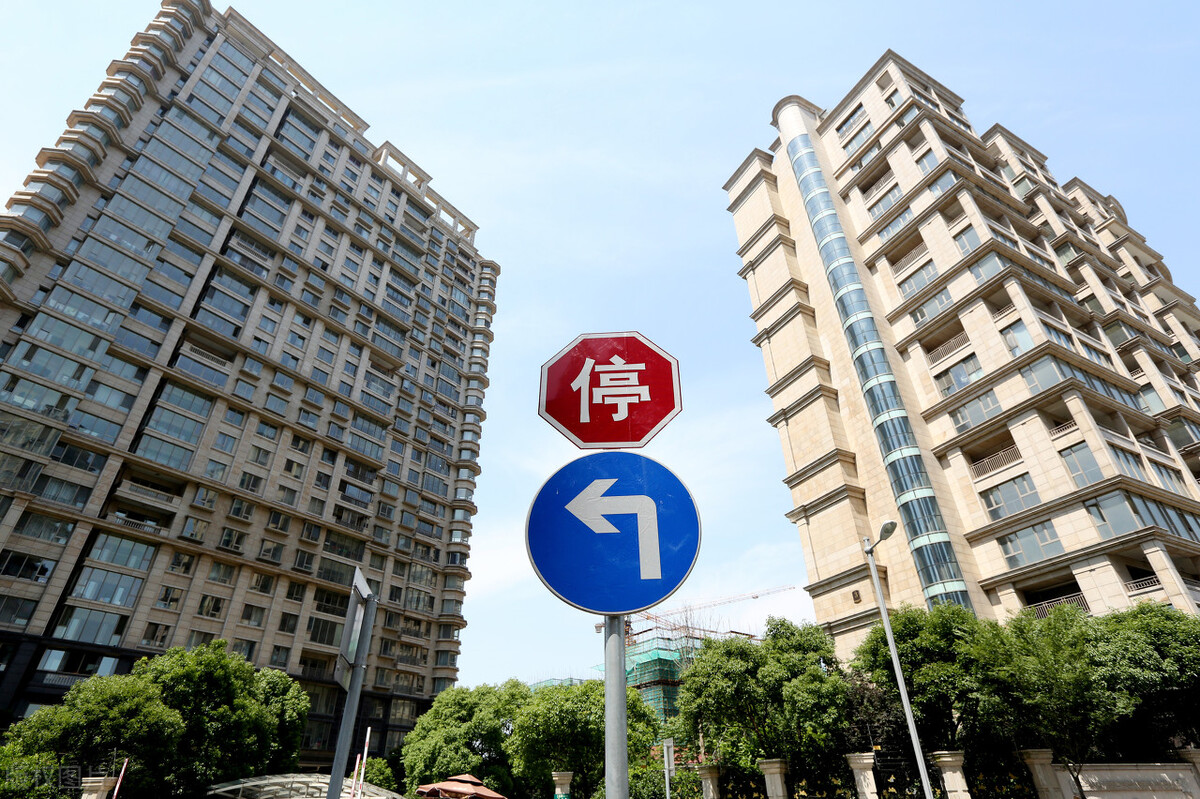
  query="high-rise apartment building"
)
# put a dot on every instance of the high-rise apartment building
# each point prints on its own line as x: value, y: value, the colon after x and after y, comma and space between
x: 245, y: 352
x: 956, y: 341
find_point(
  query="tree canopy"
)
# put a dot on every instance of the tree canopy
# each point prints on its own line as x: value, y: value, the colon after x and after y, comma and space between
x: 561, y: 728
x: 787, y: 697
x: 185, y: 720
x: 464, y: 732
x: 1118, y: 687
x: 513, y: 738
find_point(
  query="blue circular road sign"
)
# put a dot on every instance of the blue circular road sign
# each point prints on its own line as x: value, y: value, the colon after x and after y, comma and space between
x: 613, y: 533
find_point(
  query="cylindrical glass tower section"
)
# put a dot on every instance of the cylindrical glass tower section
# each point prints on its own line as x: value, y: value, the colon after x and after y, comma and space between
x: 928, y: 540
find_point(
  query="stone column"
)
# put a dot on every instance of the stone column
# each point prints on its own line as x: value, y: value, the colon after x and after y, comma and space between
x: 1191, y: 756
x: 1101, y: 584
x: 562, y: 783
x: 97, y: 787
x: 862, y: 765
x: 775, y: 771
x: 1010, y: 600
x: 1041, y: 766
x: 951, y: 766
x: 709, y: 772
x: 1176, y: 589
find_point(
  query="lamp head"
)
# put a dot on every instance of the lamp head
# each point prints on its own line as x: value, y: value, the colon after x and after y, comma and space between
x: 886, y: 531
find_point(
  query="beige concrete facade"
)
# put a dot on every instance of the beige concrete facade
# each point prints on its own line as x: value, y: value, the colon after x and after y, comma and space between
x: 246, y: 354
x: 1044, y: 359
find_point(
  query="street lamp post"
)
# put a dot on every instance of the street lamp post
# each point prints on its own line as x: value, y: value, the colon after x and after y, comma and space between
x: 885, y: 531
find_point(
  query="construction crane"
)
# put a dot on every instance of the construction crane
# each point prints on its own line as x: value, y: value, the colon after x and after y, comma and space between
x: 667, y: 621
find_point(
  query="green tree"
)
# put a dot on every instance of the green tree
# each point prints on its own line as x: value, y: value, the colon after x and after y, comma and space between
x: 287, y: 706
x: 561, y: 728
x: 28, y: 776
x: 379, y: 773
x: 786, y: 697
x: 1038, y: 678
x: 1150, y: 652
x: 185, y: 720
x: 100, y: 720
x: 464, y: 732
x: 229, y: 732
x: 928, y: 645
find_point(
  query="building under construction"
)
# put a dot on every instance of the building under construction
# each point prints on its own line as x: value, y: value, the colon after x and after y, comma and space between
x: 658, y: 648
x: 654, y: 663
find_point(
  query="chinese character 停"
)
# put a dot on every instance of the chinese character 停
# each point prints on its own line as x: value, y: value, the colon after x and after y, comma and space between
x: 618, y: 386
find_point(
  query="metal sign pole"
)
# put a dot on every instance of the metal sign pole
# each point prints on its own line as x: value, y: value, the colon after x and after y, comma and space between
x: 341, y: 755
x: 668, y: 750
x: 616, y: 735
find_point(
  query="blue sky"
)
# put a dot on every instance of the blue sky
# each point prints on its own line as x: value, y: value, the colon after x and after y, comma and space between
x: 590, y: 142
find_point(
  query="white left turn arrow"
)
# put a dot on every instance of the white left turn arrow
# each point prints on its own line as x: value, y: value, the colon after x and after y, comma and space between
x: 591, y: 506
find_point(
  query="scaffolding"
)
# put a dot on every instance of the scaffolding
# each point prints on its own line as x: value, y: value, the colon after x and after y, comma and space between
x: 655, y: 662
x: 659, y: 648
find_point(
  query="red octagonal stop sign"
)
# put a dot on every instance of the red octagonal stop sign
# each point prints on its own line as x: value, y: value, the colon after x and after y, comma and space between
x: 610, y: 390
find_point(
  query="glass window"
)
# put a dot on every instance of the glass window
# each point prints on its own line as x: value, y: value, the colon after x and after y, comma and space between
x: 1009, y: 497
x: 918, y: 280
x: 967, y: 241
x: 958, y: 376
x: 1016, y: 338
x: 90, y: 626
x: 1030, y: 545
x: 1081, y: 463
x: 1129, y: 463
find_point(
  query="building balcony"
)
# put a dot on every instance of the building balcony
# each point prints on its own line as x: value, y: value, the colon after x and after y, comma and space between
x: 946, y: 349
x: 995, y: 462
x: 1063, y: 429
x: 146, y: 495
x: 313, y: 672
x: 135, y: 524
x: 56, y: 679
x: 1042, y: 609
x: 1143, y: 584
x: 1148, y: 585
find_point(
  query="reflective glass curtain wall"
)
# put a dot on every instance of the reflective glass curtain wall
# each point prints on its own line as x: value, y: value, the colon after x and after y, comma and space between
x: 928, y: 540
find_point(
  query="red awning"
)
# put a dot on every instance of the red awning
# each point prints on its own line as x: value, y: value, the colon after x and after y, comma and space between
x: 461, y: 787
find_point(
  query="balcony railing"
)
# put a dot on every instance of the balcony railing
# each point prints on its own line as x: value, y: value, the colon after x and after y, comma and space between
x: 995, y: 462
x: 204, y: 354
x: 953, y: 345
x: 58, y: 679
x: 146, y: 491
x: 878, y: 185
x: 1042, y: 609
x: 134, y: 524
x: 316, y: 672
x: 904, y: 262
x: 1064, y: 428
x: 1143, y: 584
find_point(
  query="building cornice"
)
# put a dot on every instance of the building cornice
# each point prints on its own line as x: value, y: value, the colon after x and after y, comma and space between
x: 842, y: 579
x: 773, y: 222
x: 999, y: 130
x: 764, y: 158
x: 809, y: 397
x: 799, y: 370
x: 842, y: 493
x: 820, y: 464
x: 807, y: 105
x: 855, y: 621
x: 788, y: 289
